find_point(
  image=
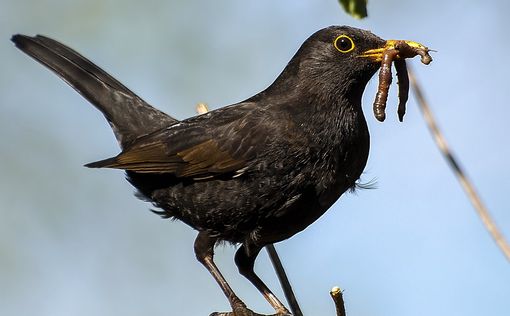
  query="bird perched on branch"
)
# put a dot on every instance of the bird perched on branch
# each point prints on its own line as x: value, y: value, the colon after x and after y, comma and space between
x: 252, y: 173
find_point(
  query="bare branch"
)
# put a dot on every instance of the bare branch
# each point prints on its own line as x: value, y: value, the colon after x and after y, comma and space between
x: 338, y: 298
x: 284, y: 280
x: 467, y: 185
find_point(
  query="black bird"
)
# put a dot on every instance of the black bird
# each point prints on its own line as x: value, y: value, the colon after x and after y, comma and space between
x: 252, y: 173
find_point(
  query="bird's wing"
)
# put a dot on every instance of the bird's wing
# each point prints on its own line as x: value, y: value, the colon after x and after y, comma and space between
x: 202, y: 159
x: 197, y: 148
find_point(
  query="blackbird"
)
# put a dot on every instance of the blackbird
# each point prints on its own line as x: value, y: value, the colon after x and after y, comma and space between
x: 252, y: 173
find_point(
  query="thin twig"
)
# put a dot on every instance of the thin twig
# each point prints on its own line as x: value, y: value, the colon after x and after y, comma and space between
x: 467, y: 185
x: 284, y: 280
x: 338, y: 297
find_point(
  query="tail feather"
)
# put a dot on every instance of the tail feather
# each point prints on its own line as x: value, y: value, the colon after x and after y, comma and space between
x: 105, y: 163
x: 129, y: 116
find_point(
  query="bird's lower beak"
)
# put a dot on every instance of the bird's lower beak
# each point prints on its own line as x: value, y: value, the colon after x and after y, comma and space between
x: 377, y: 54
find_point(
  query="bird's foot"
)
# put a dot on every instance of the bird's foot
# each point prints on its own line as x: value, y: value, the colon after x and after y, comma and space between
x: 243, y: 311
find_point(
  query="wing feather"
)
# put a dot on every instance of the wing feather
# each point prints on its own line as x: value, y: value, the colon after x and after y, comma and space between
x: 200, y: 148
x: 200, y: 160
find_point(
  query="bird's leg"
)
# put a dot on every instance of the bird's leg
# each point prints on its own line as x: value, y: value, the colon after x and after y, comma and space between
x: 245, y: 260
x: 204, y: 251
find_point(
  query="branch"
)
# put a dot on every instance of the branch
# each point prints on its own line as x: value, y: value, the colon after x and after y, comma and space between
x: 467, y: 185
x: 284, y: 280
x: 336, y: 295
x: 338, y: 299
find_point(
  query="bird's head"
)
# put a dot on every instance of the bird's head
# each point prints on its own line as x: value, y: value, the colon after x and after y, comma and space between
x: 339, y: 58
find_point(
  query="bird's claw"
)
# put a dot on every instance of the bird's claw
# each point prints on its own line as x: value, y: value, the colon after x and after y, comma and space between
x: 248, y: 312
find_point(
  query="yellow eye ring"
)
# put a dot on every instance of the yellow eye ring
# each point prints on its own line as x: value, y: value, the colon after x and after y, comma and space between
x: 344, y: 43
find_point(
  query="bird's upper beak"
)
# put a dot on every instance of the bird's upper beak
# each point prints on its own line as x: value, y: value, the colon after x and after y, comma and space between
x: 377, y: 54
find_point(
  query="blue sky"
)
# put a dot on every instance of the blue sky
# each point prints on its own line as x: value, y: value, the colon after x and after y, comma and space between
x: 75, y: 241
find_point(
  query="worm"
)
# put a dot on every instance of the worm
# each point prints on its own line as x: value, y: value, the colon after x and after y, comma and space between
x: 403, y: 87
x: 398, y: 55
x: 406, y: 51
x: 384, y: 84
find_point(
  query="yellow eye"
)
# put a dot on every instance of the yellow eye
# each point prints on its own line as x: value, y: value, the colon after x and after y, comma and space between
x: 344, y: 43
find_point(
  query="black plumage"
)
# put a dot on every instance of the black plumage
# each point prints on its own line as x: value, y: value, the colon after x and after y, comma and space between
x: 252, y: 173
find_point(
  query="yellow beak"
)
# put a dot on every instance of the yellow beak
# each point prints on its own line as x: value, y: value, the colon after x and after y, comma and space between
x: 377, y: 54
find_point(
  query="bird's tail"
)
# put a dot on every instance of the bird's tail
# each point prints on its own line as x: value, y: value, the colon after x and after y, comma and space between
x: 129, y: 116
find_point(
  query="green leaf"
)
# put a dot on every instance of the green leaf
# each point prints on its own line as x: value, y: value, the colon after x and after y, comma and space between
x: 356, y: 8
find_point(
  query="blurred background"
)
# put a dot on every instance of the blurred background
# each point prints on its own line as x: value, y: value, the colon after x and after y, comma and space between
x: 75, y: 241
